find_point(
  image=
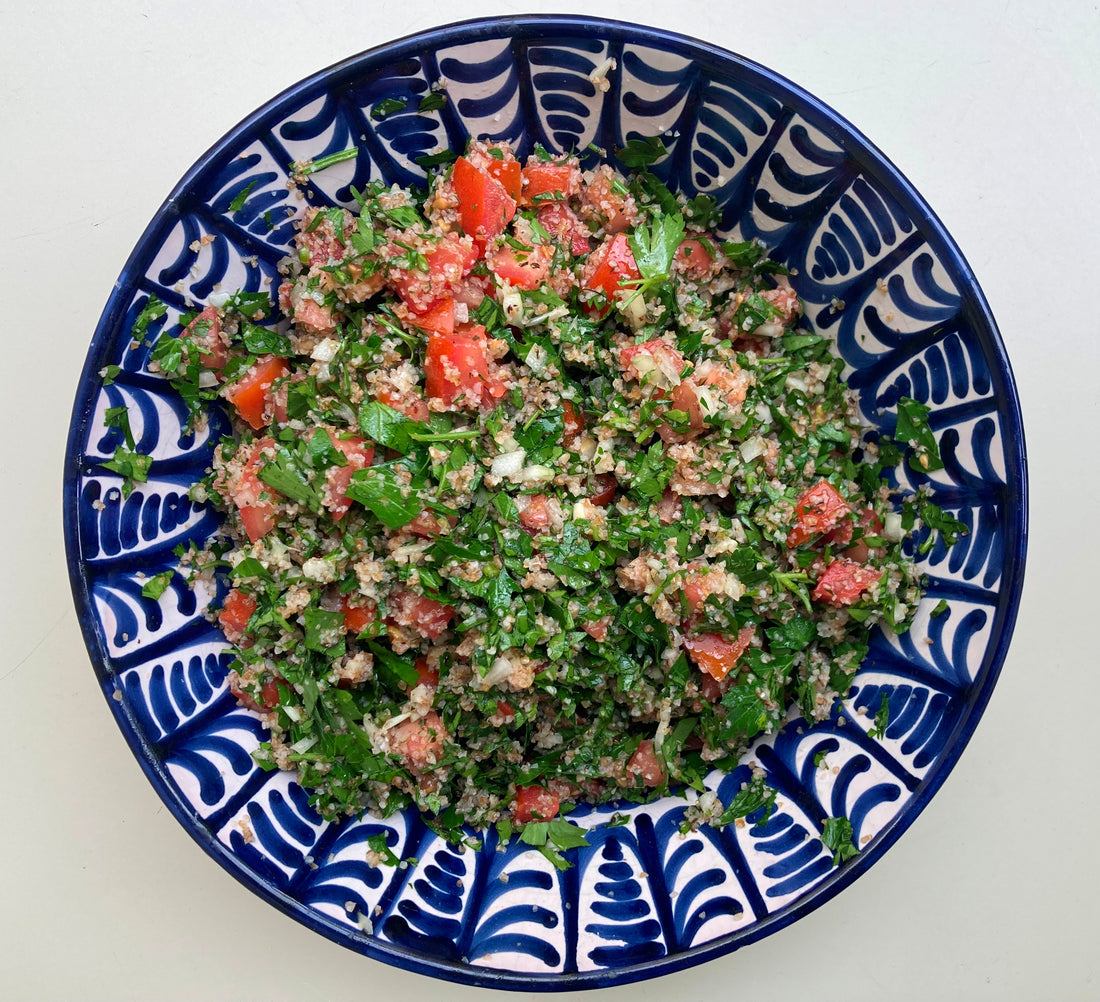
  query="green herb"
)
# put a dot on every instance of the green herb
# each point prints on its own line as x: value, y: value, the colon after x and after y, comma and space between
x: 238, y: 203
x: 287, y: 474
x: 940, y: 608
x: 312, y: 167
x: 431, y: 102
x: 265, y: 341
x: 642, y: 152
x: 131, y: 466
x: 157, y: 585
x: 382, y: 492
x: 550, y: 836
x: 913, y: 430
x: 153, y: 309
x: 388, y: 106
x: 882, y: 719
x: 755, y: 796
x: 836, y: 835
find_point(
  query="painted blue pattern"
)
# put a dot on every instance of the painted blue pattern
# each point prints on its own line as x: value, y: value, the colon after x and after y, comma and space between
x: 876, y: 271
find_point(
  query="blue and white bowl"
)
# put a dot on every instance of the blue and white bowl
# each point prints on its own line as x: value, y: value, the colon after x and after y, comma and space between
x: 876, y: 270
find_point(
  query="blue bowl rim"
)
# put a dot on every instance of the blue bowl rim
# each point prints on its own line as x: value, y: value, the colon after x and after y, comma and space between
x: 871, y: 159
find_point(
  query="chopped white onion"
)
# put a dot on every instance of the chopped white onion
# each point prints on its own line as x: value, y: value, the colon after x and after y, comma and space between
x: 293, y: 713
x: 508, y: 464
x: 325, y: 351
x: 752, y: 447
x: 536, y: 358
x: 219, y: 299
x: 207, y: 378
x: 891, y: 527
x: 536, y: 474
x: 304, y: 745
x: 499, y: 671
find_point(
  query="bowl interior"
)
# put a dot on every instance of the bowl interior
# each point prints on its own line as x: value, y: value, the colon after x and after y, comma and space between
x: 875, y: 269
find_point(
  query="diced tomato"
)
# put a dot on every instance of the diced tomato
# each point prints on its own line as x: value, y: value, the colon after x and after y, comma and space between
x: 257, y: 511
x: 456, y: 369
x: 359, y: 455
x: 534, y: 803
x: 412, y: 407
x: 694, y: 259
x: 716, y: 655
x: 654, y: 361
x: 313, y: 317
x: 536, y: 516
x: 615, y: 211
x: 425, y: 615
x: 573, y: 419
x: 251, y: 394
x: 204, y: 332
x: 357, y: 617
x: 609, y: 265
x: 548, y: 182
x: 701, y: 584
x: 419, y: 741
x: 428, y: 677
x: 842, y: 535
x: 506, y: 710
x: 449, y: 262
x: 236, y: 611
x: 604, y: 486
x: 269, y: 696
x: 645, y: 763
x: 429, y: 525
x: 440, y: 319
x: 597, y: 628
x: 817, y: 511
x: 562, y: 223
x: 508, y: 173
x: 524, y: 269
x: 484, y: 206
x: 843, y: 582
x: 670, y: 508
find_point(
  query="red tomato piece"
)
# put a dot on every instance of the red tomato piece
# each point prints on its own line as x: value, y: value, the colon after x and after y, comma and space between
x: 717, y: 655
x: 456, y: 369
x: 670, y: 508
x: 428, y: 677
x: 204, y: 332
x: 562, y: 223
x: 817, y: 511
x: 534, y: 803
x: 412, y: 407
x: 313, y: 317
x: 419, y: 741
x: 506, y: 711
x: 449, y: 262
x: 645, y: 763
x: 536, y: 516
x: 440, y: 319
x: 609, y: 265
x: 572, y: 418
x: 425, y: 615
x: 269, y: 696
x: 843, y: 582
x: 549, y: 182
x: 359, y: 455
x: 257, y: 511
x: 251, y: 394
x: 484, y: 206
x: 428, y: 525
x: 604, y: 486
x: 508, y: 173
x: 694, y: 259
x: 523, y: 269
x: 236, y: 612
x: 357, y: 617
x: 597, y: 628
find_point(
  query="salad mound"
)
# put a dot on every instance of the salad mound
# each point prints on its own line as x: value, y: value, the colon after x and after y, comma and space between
x: 540, y: 492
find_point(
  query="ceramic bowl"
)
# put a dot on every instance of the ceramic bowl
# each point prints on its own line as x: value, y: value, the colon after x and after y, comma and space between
x: 876, y: 270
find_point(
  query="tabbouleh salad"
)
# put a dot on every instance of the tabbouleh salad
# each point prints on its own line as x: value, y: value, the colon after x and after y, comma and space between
x: 538, y: 493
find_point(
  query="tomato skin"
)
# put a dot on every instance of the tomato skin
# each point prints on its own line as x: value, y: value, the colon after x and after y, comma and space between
x: 644, y: 763
x: 484, y: 206
x: 236, y: 611
x: 534, y: 803
x: 449, y: 262
x: 549, y: 182
x: 419, y: 741
x: 670, y: 507
x: 608, y: 266
x: 429, y: 526
x: 251, y: 393
x: 205, y: 333
x: 257, y: 513
x: 456, y: 369
x: 440, y: 319
x: 359, y: 455
x: 715, y: 654
x: 604, y: 486
x: 526, y: 273
x: 843, y: 582
x: 693, y: 257
x: 506, y: 711
x: 425, y: 615
x: 817, y: 511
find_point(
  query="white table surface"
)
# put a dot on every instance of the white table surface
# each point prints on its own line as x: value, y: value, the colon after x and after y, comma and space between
x: 992, y: 894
